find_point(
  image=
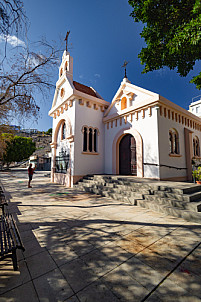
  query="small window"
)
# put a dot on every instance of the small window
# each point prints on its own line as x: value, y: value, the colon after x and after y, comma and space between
x: 61, y: 72
x: 123, y: 103
x: 62, y: 92
x: 197, y: 109
x: 66, y: 66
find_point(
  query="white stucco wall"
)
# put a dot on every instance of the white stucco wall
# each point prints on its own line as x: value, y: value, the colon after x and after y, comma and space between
x: 147, y: 127
x: 165, y: 124
x: 88, y: 163
x: 138, y: 98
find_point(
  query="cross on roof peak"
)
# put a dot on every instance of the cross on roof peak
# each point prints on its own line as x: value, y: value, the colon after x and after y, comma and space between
x: 124, y: 66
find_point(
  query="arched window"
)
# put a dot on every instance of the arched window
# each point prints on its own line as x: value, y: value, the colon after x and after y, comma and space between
x: 61, y: 72
x: 95, y: 140
x: 85, y: 139
x: 66, y: 66
x: 90, y: 139
x: 173, y: 141
x: 170, y: 142
x: 123, y: 103
x: 196, y: 146
x: 63, y: 132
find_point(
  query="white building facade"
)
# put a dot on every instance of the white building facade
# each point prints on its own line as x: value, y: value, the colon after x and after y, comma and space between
x: 139, y: 133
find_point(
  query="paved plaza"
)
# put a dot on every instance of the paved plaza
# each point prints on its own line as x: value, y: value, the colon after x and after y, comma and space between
x: 83, y: 247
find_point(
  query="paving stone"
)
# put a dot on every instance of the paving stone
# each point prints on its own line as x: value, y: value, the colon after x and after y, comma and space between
x: 78, y: 274
x: 115, y: 253
x: 155, y: 260
x: 123, y: 286
x: 9, y: 278
x: 98, y: 262
x: 144, y: 274
x: 170, y: 291
x: 40, y: 264
x: 62, y: 254
x: 97, y: 292
x: 23, y: 293
x: 132, y: 247
x: 52, y: 287
x: 27, y: 236
x: 81, y: 246
x: 32, y: 247
x: 184, y: 278
x: 72, y: 299
x: 193, y: 264
x: 153, y: 298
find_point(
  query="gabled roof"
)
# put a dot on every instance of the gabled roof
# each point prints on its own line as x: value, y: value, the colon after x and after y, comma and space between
x: 85, y: 89
x: 130, y: 90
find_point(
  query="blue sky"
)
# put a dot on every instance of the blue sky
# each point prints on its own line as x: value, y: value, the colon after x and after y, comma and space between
x: 102, y: 36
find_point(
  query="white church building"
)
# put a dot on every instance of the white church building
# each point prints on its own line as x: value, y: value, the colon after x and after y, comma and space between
x: 139, y: 133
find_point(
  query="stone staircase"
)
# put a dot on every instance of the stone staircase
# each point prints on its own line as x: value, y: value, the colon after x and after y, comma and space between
x: 177, y: 199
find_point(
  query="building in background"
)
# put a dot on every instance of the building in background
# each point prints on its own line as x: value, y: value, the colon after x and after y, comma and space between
x: 42, y: 163
x: 195, y: 106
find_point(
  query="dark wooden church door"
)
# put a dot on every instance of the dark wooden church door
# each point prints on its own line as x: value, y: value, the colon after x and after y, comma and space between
x: 127, y: 156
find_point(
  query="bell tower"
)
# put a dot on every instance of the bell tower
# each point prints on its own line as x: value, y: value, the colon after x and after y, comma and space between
x: 66, y: 67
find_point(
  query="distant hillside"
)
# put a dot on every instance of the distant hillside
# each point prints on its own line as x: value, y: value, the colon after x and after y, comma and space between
x: 42, y: 142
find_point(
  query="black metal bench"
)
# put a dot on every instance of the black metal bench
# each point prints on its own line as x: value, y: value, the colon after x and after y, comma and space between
x: 3, y: 202
x: 10, y: 239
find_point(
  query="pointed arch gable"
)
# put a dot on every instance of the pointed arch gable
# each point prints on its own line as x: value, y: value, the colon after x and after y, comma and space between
x: 139, y: 150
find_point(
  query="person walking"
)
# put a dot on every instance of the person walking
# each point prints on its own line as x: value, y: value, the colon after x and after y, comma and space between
x: 30, y: 174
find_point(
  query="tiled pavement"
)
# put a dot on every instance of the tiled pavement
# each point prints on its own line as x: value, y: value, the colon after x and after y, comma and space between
x: 82, y: 247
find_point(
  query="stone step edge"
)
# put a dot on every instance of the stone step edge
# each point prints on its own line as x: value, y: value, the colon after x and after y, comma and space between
x: 185, y: 214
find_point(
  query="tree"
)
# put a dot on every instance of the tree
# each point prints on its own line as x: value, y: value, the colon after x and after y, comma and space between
x: 12, y: 16
x: 17, y: 149
x: 172, y: 34
x: 49, y: 131
x: 29, y: 75
x: 26, y: 69
x: 3, y: 139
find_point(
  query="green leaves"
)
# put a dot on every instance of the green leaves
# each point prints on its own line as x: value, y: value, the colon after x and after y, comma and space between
x: 18, y: 148
x: 172, y: 33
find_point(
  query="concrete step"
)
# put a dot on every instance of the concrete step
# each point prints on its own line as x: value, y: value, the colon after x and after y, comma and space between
x: 191, y: 206
x: 180, y: 202
x: 173, y: 211
x: 196, y: 196
x: 187, y: 190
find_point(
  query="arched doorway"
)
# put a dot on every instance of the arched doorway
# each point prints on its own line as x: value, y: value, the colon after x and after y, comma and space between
x: 127, y: 156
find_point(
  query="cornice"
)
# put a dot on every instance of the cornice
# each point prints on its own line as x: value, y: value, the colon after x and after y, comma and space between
x: 130, y: 110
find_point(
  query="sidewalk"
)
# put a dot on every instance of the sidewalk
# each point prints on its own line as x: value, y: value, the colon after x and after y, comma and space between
x: 83, y: 247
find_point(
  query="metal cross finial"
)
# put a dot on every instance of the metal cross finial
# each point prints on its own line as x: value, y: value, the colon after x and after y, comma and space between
x: 124, y: 66
x: 66, y: 39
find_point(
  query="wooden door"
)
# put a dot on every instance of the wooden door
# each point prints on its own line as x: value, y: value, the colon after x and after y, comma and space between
x: 127, y: 156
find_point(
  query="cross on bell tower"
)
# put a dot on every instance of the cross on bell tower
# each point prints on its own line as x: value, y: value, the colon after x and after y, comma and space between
x: 66, y: 39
